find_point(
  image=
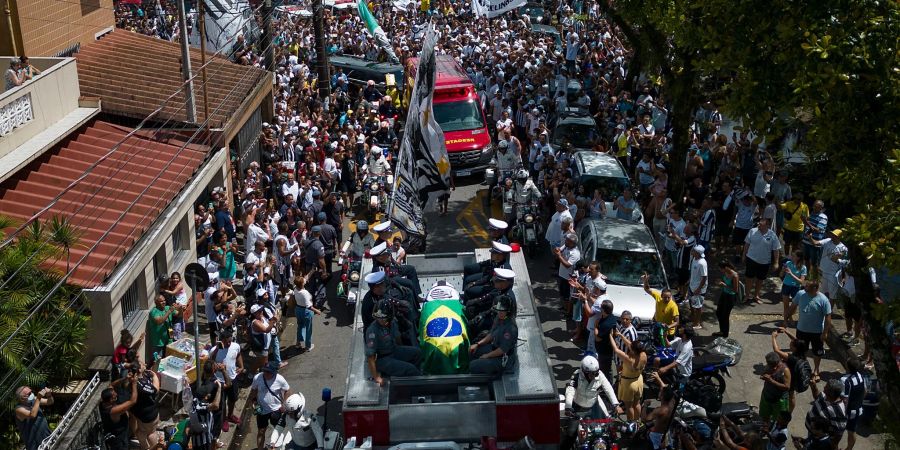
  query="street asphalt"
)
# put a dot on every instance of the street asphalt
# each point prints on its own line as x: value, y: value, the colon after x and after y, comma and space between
x: 463, y: 230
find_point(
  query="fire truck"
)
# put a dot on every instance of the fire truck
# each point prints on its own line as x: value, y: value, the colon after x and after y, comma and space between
x: 464, y: 408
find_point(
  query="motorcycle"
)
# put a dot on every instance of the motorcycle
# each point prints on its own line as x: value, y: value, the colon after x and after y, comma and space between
x: 709, y: 362
x: 375, y: 193
x: 528, y: 227
x: 350, y: 275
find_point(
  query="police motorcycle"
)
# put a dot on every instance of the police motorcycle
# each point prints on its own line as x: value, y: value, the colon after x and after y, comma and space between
x: 528, y: 225
x: 495, y: 178
x: 296, y: 427
x: 350, y: 274
x: 375, y: 186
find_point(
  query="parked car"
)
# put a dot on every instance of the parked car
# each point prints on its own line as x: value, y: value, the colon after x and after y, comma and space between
x: 551, y: 32
x: 575, y: 126
x: 602, y: 171
x: 625, y: 251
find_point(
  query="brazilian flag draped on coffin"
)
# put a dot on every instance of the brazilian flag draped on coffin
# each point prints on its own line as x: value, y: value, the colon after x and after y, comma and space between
x: 443, y: 338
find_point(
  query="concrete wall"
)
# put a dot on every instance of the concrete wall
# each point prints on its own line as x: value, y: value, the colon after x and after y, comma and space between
x: 53, y: 94
x: 48, y: 27
x: 105, y: 300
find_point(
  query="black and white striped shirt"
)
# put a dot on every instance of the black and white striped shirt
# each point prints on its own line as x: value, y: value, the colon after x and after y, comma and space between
x: 834, y: 412
x: 854, y: 392
x: 629, y: 333
x: 708, y: 225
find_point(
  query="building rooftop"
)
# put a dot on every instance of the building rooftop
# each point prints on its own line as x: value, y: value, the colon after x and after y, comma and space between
x: 133, y: 74
x: 139, y: 178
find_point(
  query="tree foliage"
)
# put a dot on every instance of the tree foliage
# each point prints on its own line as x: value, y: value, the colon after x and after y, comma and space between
x: 48, y: 348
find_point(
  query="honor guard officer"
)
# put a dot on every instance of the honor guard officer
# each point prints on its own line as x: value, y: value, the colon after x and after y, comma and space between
x: 380, y: 290
x: 497, y: 351
x: 497, y: 230
x: 383, y: 232
x: 502, y: 285
x: 477, y: 277
x: 384, y: 353
x: 408, y: 277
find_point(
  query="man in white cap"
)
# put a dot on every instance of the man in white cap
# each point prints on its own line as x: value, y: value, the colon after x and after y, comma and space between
x: 478, y: 271
x: 567, y: 256
x: 402, y: 274
x: 497, y: 230
x: 554, y: 230
x: 502, y: 284
x: 697, y: 285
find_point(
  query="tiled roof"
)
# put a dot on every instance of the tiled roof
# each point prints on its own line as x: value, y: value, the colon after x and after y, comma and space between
x: 133, y: 74
x: 95, y: 203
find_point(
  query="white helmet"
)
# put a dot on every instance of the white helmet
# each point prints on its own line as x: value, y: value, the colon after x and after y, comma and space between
x: 590, y: 365
x: 522, y: 175
x: 376, y: 150
x: 296, y: 403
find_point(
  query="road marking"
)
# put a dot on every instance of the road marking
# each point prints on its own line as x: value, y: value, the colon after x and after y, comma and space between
x: 496, y: 204
x: 472, y: 220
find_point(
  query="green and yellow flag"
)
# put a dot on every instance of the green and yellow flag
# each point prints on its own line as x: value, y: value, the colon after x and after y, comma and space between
x: 443, y: 339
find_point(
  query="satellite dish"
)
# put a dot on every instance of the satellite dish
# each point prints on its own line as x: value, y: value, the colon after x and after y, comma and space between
x: 196, y: 277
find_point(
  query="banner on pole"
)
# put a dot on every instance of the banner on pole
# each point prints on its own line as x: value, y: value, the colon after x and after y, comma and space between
x: 494, y: 8
x: 376, y: 31
x: 423, y: 167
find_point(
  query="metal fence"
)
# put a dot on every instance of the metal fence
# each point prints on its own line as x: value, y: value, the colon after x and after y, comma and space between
x: 130, y: 302
x: 80, y: 437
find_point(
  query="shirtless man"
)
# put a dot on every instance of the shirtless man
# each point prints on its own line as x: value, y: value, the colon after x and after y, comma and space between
x: 661, y: 416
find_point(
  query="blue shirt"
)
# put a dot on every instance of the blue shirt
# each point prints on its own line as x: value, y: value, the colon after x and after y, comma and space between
x: 799, y: 272
x: 620, y: 212
x: 813, y: 311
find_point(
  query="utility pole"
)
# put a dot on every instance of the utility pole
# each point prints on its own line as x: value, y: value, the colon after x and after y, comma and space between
x: 324, y: 83
x: 9, y: 23
x: 201, y: 13
x: 268, y: 49
x: 189, y: 105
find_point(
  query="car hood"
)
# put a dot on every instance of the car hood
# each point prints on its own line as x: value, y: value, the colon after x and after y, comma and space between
x: 634, y: 299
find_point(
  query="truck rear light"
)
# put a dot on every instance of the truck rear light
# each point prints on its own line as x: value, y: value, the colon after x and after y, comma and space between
x: 517, y: 421
x: 363, y: 424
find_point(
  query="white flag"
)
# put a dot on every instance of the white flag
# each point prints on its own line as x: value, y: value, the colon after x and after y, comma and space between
x: 494, y: 8
x: 423, y: 167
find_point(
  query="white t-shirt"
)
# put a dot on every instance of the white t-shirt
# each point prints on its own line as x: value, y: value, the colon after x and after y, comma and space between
x: 303, y: 298
x: 829, y: 248
x: 229, y: 358
x: 571, y: 255
x: 210, y: 304
x: 698, y: 271
x: 678, y: 228
x: 644, y: 175
x: 685, y: 358
x: 761, y: 245
x: 255, y: 233
x: 268, y: 402
x: 252, y: 257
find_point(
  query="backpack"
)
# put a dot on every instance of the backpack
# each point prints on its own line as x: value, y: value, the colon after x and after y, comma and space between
x: 741, y: 292
x: 801, y: 375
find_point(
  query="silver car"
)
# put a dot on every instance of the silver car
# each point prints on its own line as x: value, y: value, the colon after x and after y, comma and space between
x: 625, y: 251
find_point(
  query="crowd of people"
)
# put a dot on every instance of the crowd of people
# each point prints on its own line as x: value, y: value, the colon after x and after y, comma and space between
x: 269, y: 245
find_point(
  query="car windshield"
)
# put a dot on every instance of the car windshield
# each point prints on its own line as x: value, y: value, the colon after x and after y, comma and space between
x: 579, y: 135
x: 457, y: 116
x: 625, y: 268
x: 610, y: 187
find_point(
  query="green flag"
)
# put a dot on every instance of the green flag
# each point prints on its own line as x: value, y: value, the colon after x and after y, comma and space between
x: 376, y: 31
x: 443, y: 339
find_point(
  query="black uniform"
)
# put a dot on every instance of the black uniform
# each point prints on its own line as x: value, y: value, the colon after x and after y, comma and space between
x: 407, y: 316
x: 505, y: 336
x: 408, y: 276
x: 477, y: 277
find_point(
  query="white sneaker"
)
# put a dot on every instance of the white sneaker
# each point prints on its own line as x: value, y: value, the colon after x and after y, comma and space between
x: 311, y: 347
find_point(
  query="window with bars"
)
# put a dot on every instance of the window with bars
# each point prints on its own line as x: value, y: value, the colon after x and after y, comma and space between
x: 130, y: 301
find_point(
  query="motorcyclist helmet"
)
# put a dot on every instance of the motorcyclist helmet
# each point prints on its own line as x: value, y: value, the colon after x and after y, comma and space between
x: 295, y: 403
x: 590, y: 367
x: 362, y: 225
x: 384, y: 309
x: 522, y: 175
x: 376, y: 151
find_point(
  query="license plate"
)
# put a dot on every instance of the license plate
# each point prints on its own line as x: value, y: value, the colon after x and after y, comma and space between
x: 463, y: 173
x: 529, y: 234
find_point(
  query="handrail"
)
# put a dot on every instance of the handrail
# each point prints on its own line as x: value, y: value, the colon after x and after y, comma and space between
x: 50, y: 442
